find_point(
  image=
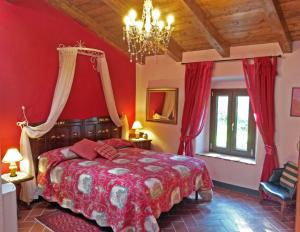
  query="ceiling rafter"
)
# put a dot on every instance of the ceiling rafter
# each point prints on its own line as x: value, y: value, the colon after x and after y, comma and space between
x: 121, y: 7
x: 277, y: 22
x: 174, y: 50
x: 87, y: 21
x: 209, y: 31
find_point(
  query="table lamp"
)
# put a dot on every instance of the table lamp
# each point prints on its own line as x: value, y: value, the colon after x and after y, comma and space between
x: 12, y: 156
x: 137, y: 126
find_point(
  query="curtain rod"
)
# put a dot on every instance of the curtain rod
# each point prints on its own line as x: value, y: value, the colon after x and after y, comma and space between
x: 233, y: 59
x: 85, y: 51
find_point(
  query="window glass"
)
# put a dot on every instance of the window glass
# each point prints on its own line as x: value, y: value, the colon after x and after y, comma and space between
x: 222, y: 121
x: 242, y: 123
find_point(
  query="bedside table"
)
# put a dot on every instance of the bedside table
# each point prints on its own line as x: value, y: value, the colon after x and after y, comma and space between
x: 17, y: 180
x: 142, y: 143
x: 20, y: 178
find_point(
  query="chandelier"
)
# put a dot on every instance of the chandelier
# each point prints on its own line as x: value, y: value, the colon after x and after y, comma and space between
x: 148, y: 36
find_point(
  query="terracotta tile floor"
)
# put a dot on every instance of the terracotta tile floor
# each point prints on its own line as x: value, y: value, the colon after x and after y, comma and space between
x: 228, y: 212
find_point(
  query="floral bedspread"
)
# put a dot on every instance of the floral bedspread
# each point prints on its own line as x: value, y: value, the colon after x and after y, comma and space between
x: 128, y: 193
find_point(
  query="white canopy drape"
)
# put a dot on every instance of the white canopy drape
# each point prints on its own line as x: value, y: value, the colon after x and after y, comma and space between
x: 67, y: 60
x: 108, y: 91
x: 169, y: 104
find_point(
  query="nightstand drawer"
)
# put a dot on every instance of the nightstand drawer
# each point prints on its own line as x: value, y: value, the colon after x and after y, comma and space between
x: 142, y: 143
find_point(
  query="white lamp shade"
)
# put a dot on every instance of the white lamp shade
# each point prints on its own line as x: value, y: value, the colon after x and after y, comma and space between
x: 137, y: 125
x: 12, y: 155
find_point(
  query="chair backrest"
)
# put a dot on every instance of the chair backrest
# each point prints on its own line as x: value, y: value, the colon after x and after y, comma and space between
x: 289, y: 177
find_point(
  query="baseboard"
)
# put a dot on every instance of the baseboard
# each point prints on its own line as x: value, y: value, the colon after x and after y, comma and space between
x: 236, y: 188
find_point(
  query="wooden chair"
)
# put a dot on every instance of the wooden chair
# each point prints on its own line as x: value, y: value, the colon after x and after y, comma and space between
x: 276, y: 192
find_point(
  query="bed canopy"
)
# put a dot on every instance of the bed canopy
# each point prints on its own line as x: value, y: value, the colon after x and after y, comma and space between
x: 67, y: 64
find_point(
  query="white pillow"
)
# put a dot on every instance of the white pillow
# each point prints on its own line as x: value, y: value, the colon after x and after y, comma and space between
x: 68, y: 154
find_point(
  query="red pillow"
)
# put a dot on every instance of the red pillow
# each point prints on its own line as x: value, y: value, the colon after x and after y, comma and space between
x: 117, y: 143
x: 85, y: 149
x: 107, y: 151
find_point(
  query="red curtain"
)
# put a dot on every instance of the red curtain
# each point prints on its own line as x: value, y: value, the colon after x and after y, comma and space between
x: 197, y: 92
x: 260, y: 81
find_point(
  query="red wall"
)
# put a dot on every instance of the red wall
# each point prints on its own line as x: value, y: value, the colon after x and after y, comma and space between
x: 30, y: 32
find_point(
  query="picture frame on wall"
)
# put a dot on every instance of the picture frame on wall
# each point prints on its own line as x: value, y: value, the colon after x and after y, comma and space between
x: 295, y: 102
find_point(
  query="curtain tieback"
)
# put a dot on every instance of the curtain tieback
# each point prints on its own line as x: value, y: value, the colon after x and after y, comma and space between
x: 270, y: 150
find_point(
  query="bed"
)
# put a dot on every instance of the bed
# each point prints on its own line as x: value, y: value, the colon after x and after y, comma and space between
x: 128, y: 193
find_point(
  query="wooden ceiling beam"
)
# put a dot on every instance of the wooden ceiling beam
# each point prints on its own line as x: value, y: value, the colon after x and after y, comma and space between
x: 121, y: 8
x: 87, y: 21
x: 174, y: 50
x: 277, y: 22
x: 209, y: 31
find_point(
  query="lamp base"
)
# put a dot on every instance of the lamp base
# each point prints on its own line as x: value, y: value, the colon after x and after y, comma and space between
x: 13, y: 169
x: 137, y: 133
x: 13, y: 173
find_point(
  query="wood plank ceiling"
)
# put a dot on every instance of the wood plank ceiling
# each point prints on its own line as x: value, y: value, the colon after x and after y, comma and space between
x: 199, y: 24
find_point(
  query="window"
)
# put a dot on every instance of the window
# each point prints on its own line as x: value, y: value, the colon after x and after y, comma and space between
x: 232, y: 125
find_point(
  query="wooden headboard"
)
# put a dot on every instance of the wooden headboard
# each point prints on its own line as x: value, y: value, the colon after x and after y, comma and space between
x: 67, y: 132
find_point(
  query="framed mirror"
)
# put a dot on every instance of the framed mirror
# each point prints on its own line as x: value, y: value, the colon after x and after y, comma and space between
x: 162, y: 105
